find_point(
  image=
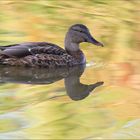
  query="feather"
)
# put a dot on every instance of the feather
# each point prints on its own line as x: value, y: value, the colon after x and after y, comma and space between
x: 36, y: 54
x: 30, y: 48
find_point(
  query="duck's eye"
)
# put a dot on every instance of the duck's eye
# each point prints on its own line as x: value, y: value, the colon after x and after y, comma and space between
x: 78, y: 30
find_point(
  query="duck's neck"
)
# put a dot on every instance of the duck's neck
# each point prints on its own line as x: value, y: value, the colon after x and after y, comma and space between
x: 70, y: 46
x: 74, y: 50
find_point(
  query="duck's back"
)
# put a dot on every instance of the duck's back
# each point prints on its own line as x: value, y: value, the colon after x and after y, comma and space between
x: 29, y: 48
x: 35, y: 54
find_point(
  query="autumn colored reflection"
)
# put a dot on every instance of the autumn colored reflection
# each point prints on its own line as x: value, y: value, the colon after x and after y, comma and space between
x: 46, y: 111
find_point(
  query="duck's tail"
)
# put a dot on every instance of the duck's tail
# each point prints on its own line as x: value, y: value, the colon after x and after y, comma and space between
x: 2, y: 56
x: 6, y: 46
x: 2, y: 48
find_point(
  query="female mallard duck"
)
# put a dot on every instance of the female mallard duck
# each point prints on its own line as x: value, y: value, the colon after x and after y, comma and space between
x: 45, y: 54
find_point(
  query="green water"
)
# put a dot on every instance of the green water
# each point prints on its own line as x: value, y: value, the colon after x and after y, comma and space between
x: 61, y: 103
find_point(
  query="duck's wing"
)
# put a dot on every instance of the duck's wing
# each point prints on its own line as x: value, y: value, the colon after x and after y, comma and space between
x: 31, y: 48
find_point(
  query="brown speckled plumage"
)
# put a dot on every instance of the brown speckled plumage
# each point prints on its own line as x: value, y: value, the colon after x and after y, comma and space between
x: 45, y: 54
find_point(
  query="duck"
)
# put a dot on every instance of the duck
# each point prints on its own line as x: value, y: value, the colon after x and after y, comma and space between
x: 45, y: 54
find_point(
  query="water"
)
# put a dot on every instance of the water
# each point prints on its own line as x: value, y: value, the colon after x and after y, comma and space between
x: 100, y: 100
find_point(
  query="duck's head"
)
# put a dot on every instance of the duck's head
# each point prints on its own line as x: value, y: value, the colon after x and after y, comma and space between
x: 79, y: 33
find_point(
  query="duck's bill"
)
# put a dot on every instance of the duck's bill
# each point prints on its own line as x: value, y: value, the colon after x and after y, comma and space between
x: 94, y: 41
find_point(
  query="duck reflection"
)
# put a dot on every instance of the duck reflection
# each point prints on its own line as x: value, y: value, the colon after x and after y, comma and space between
x: 71, y: 75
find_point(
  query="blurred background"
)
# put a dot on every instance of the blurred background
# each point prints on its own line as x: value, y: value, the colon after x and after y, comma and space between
x: 46, y: 111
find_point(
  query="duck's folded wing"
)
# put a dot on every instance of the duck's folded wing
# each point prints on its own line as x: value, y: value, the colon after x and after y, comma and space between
x: 48, y: 60
x: 31, y: 48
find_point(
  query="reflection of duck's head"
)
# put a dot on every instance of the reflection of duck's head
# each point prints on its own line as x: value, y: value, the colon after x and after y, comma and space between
x: 79, y: 33
x: 78, y: 91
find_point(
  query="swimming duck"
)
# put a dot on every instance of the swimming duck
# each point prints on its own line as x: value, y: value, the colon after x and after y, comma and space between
x: 44, y: 54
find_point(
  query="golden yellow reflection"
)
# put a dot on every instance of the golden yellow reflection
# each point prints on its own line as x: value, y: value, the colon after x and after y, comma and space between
x: 46, y: 111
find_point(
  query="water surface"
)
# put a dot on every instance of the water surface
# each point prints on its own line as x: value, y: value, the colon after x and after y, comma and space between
x: 100, y: 100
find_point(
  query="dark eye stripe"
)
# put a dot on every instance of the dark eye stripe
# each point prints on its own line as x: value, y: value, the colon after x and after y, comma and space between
x: 80, y: 31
